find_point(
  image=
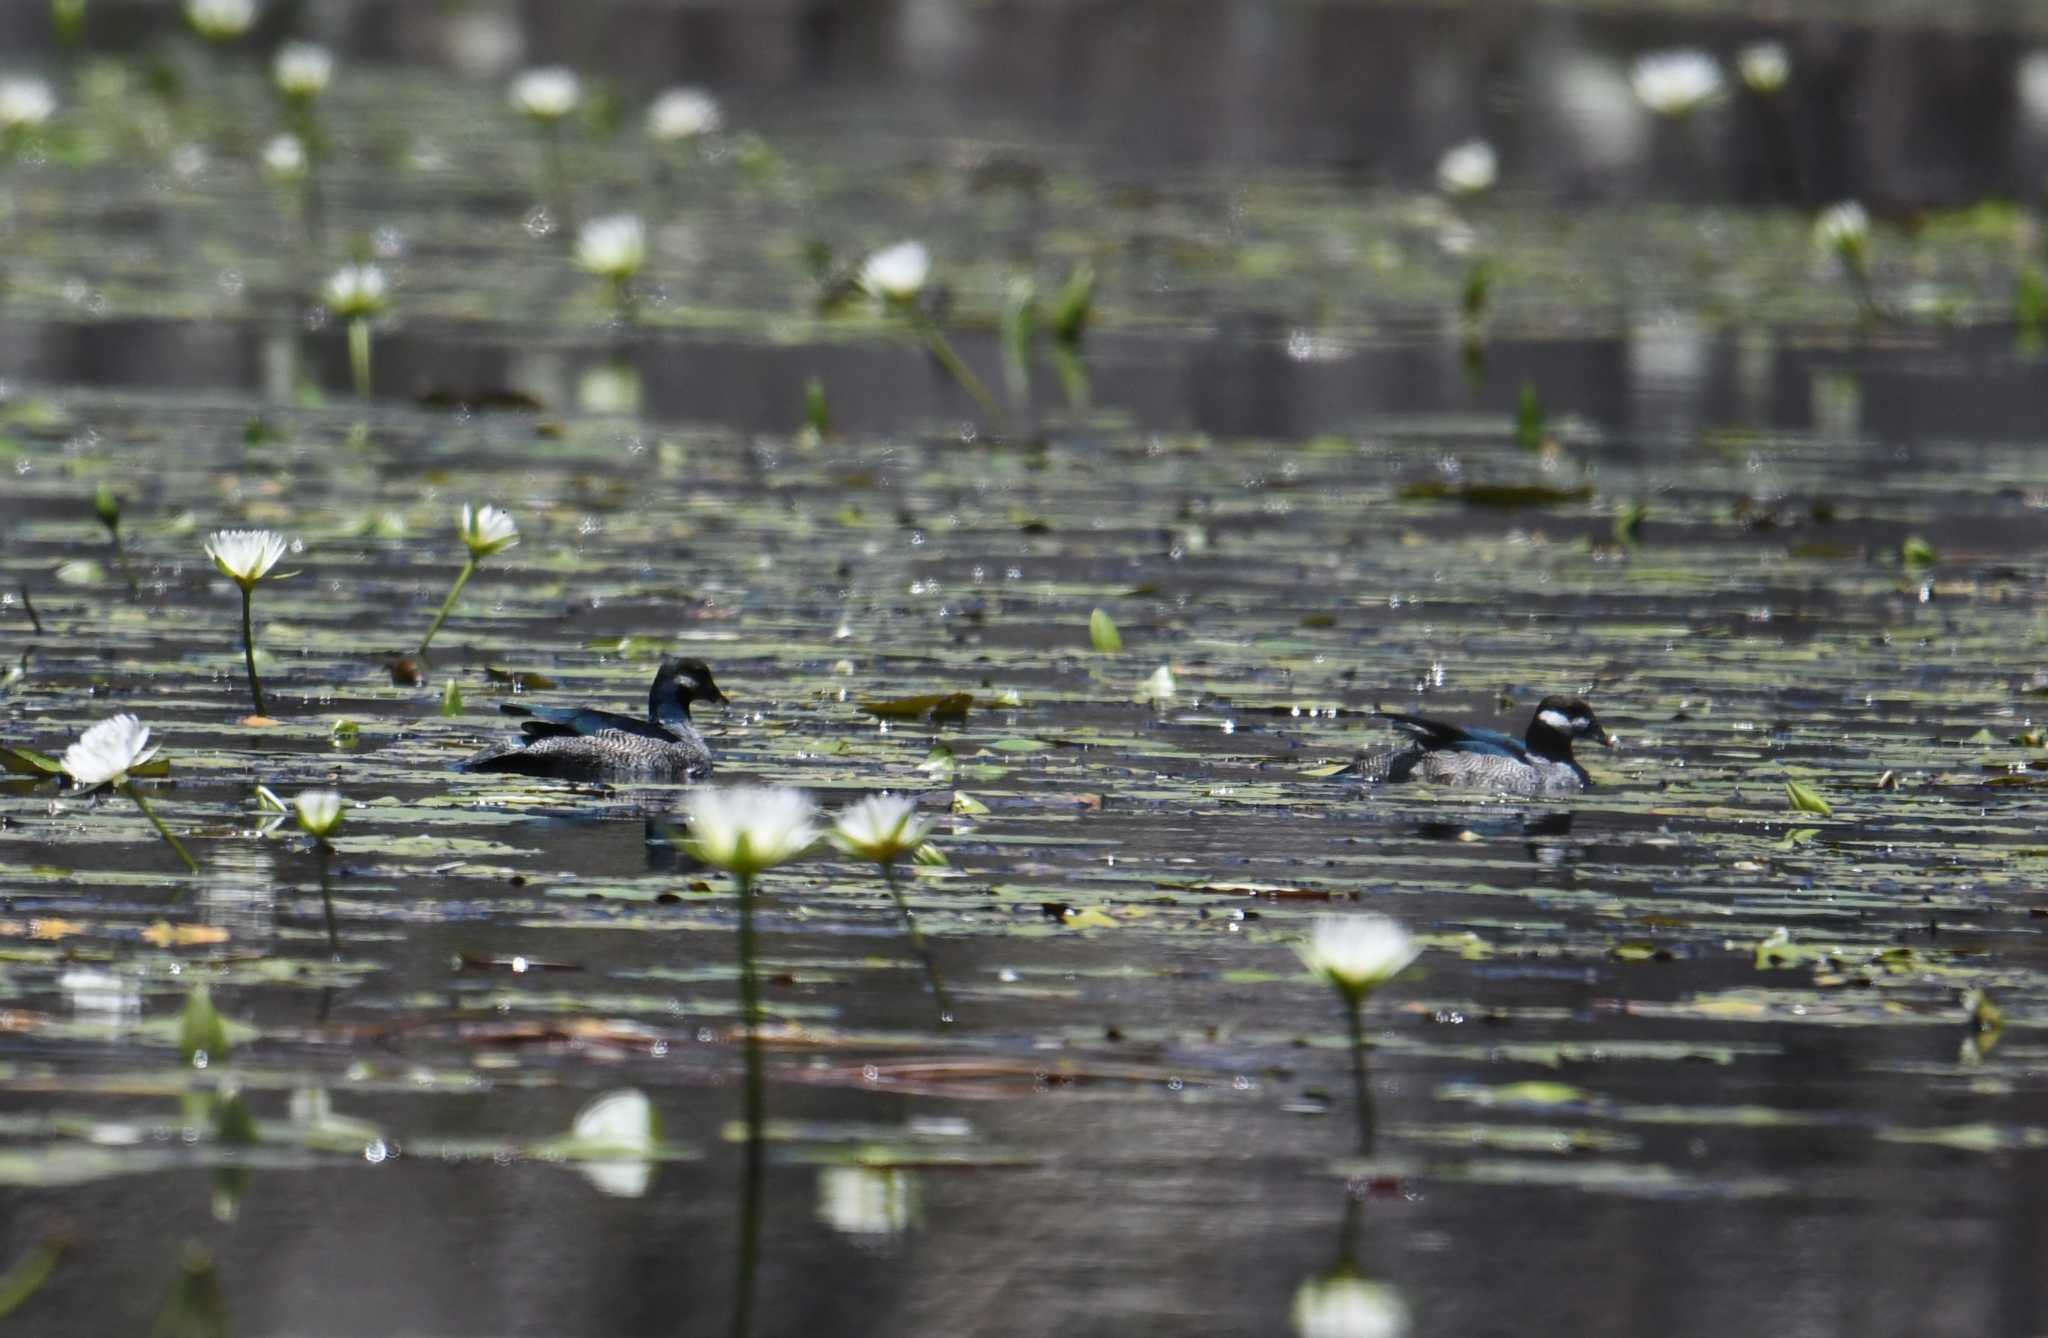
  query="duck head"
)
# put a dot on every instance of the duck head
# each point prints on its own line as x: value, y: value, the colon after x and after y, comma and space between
x: 1558, y: 722
x: 676, y: 684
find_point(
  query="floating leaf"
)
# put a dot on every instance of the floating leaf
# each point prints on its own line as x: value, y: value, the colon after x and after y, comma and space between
x: 939, y: 763
x: 164, y: 934
x: 1917, y: 553
x: 344, y: 734
x: 932, y: 706
x: 1086, y: 917
x: 1102, y: 633
x: 967, y: 806
x: 1797, y: 837
x: 1807, y: 800
x: 1504, y: 495
x: 28, y: 762
x: 519, y: 680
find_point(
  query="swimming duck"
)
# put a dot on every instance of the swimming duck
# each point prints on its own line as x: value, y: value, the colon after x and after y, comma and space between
x: 1539, y: 763
x: 578, y: 743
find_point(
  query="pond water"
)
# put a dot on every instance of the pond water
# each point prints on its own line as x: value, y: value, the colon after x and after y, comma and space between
x: 1677, y: 1057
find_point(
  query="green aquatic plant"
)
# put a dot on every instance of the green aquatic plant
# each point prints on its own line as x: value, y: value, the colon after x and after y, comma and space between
x: 1843, y: 231
x: 485, y: 530
x: 1805, y: 799
x: 746, y: 831
x: 25, y: 105
x: 1530, y: 426
x: 895, y: 276
x: 1103, y: 634
x: 882, y: 829
x: 107, y: 507
x: 320, y: 814
x: 1073, y: 306
x: 246, y: 558
x: 220, y: 20
x: 302, y: 71
x: 1356, y: 954
x: 615, y: 250
x: 546, y: 96
x: 110, y: 753
x: 358, y: 294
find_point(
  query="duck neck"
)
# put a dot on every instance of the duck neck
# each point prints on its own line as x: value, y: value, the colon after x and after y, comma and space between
x: 1549, y: 744
x: 672, y: 715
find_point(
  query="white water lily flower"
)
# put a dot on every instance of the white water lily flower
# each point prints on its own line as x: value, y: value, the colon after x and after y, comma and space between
x: 1842, y: 228
x: 219, y: 20
x: 320, y: 812
x: 302, y: 69
x: 245, y: 556
x: 284, y: 157
x: 487, y: 530
x: 546, y: 94
x: 1348, y: 1307
x: 1764, y: 66
x: 1674, y: 83
x: 749, y: 828
x: 1469, y: 168
x: 614, y: 247
x: 896, y: 273
x: 108, y: 751
x: 684, y: 113
x: 881, y: 828
x: 25, y: 102
x: 867, y: 1200
x: 357, y: 290
x: 1357, y: 953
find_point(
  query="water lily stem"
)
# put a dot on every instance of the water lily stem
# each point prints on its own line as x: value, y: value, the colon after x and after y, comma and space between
x: 249, y: 651
x: 127, y: 572
x: 468, y: 570
x: 191, y: 865
x: 327, y: 901
x: 750, y: 1189
x: 917, y: 943
x: 557, y: 186
x: 958, y: 369
x: 1361, y: 1092
x: 359, y: 354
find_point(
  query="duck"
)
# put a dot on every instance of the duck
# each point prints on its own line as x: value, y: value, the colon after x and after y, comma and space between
x: 581, y: 743
x: 1538, y: 763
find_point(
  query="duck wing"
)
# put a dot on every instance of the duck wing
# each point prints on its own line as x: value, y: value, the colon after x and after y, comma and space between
x: 1442, y: 736
x: 552, y: 722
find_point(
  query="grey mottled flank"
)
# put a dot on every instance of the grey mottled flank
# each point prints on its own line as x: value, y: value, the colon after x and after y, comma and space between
x: 1505, y: 775
x: 608, y: 754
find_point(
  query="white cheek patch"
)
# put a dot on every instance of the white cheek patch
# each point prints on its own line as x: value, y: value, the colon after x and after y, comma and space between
x: 1556, y: 720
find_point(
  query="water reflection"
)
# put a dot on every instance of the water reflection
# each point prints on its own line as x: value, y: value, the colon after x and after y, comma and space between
x: 869, y: 1203
x: 1342, y: 1301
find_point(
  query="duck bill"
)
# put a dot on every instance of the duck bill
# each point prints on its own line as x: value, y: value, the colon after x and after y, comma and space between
x: 1608, y: 740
